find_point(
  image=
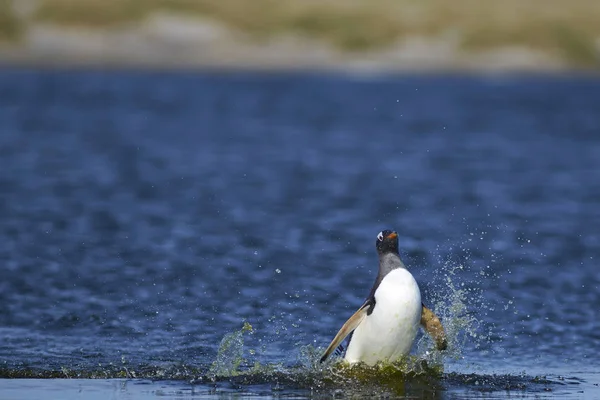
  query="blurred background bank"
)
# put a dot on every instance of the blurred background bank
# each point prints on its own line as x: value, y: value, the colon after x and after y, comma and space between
x: 396, y: 35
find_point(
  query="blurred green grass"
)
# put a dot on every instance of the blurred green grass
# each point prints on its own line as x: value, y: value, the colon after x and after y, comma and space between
x: 570, y: 29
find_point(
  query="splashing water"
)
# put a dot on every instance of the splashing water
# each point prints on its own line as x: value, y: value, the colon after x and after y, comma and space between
x: 450, y: 304
x: 456, y: 295
x: 230, y: 354
x: 422, y: 371
x: 335, y: 376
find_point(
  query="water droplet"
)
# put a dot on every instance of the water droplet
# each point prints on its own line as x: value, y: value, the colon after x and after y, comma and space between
x: 278, y: 270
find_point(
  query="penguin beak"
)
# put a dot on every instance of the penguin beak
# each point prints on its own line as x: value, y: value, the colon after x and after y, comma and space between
x: 392, y: 235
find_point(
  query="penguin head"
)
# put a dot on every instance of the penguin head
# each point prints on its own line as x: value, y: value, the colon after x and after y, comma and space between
x: 387, y: 242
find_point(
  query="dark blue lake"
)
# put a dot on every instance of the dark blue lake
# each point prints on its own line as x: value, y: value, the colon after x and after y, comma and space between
x: 146, y: 216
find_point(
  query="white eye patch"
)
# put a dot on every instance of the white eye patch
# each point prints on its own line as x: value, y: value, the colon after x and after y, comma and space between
x: 380, y: 236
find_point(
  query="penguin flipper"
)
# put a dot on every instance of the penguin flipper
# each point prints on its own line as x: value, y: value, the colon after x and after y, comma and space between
x: 347, y: 329
x: 432, y: 325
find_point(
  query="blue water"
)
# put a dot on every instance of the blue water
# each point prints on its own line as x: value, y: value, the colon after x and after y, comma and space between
x: 144, y: 216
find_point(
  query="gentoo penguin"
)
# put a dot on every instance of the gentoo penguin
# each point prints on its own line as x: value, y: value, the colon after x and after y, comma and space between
x: 385, y: 326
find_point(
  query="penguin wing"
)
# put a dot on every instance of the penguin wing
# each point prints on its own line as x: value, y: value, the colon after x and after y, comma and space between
x: 347, y: 329
x: 432, y: 325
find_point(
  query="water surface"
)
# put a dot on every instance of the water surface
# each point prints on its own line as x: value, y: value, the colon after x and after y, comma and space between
x: 144, y: 216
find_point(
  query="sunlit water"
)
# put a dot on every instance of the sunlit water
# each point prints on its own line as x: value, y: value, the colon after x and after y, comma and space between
x: 204, y: 235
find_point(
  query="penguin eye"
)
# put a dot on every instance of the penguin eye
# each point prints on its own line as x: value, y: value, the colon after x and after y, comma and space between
x: 380, y: 236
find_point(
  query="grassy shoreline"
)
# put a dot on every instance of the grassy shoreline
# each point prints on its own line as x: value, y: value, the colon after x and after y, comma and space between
x: 570, y: 33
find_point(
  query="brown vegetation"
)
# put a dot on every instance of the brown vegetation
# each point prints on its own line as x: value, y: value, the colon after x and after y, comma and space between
x: 10, y: 27
x: 568, y: 29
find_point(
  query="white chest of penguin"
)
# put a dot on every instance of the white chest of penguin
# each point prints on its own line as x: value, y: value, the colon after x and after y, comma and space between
x: 389, y: 331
